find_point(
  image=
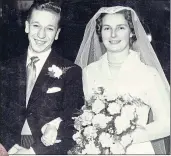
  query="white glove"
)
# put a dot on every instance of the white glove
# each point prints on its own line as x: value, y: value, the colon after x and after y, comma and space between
x: 50, y: 131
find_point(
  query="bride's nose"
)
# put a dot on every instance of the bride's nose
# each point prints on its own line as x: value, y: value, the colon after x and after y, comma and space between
x: 113, y: 33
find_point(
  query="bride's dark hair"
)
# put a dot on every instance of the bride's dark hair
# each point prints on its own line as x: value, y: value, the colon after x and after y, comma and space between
x: 128, y: 17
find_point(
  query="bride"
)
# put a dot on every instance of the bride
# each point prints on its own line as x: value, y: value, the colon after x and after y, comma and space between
x: 110, y: 39
x: 109, y: 59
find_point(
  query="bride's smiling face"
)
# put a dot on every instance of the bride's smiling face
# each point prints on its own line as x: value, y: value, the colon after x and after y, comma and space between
x: 115, y: 32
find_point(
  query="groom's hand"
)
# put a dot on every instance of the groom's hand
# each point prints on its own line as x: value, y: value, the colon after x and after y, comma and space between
x: 49, y: 136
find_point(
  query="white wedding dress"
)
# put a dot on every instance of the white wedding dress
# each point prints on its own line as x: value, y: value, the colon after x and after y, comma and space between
x: 134, y: 78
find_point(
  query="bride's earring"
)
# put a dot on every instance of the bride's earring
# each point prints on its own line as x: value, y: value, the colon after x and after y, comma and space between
x: 130, y: 35
x: 130, y: 39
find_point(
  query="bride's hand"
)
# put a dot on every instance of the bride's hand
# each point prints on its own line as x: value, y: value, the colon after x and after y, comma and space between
x: 49, y: 136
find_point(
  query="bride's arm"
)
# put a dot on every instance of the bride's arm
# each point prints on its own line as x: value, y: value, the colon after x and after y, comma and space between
x: 160, y: 105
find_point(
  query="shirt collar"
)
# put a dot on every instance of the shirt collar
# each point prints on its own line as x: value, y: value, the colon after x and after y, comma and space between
x: 41, y: 56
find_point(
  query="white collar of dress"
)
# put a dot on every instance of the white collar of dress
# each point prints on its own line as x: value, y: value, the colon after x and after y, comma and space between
x: 128, y: 64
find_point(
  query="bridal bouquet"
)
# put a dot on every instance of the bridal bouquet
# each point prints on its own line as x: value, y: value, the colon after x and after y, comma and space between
x: 105, y: 125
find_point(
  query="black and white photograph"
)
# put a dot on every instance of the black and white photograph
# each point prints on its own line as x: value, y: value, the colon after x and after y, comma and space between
x: 84, y: 77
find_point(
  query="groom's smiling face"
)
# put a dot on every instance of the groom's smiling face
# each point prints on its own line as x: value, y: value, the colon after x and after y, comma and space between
x: 42, y: 29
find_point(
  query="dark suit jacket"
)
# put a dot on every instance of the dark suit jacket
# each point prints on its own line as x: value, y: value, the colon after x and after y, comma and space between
x: 42, y: 107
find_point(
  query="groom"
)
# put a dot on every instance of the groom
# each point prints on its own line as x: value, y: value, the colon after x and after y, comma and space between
x: 39, y: 87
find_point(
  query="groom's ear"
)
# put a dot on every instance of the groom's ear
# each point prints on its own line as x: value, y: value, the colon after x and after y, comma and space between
x: 27, y: 29
x: 57, y: 33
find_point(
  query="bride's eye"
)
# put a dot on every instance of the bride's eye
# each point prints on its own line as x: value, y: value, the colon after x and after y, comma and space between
x: 121, y: 28
x: 106, y: 28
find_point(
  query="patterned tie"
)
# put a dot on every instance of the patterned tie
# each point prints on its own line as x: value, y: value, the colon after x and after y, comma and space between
x: 31, y: 76
x: 27, y: 140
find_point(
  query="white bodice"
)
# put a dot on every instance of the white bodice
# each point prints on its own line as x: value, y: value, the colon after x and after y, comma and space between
x: 135, y: 79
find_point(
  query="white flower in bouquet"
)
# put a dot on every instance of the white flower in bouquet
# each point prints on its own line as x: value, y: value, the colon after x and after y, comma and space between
x: 117, y: 148
x: 100, y: 120
x: 86, y: 117
x: 105, y: 139
x: 97, y: 106
x: 119, y: 102
x: 90, y: 132
x: 90, y: 148
x: 129, y: 111
x: 77, y: 138
x: 127, y: 97
x: 109, y: 96
x: 77, y: 123
x: 126, y: 140
x: 121, y: 124
x: 114, y: 108
x: 83, y: 107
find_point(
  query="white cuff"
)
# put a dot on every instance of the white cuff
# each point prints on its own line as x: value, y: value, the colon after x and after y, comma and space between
x: 31, y: 151
x: 14, y: 149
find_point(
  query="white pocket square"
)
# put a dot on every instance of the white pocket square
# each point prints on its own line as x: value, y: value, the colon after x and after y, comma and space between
x: 53, y: 90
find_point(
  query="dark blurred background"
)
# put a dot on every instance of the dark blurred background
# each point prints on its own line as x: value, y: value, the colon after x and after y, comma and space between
x: 154, y: 14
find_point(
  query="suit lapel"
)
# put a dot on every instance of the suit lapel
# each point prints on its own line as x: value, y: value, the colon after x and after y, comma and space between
x: 43, y: 80
x: 22, y: 79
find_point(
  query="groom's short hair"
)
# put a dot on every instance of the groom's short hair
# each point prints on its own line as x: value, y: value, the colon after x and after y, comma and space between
x: 47, y: 5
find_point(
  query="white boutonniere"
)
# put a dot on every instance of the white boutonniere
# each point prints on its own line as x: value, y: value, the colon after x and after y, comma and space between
x: 56, y: 72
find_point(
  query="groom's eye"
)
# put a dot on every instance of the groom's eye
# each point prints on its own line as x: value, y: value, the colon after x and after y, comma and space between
x: 50, y: 29
x: 35, y: 25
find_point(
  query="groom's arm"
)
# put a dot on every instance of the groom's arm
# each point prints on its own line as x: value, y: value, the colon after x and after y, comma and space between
x: 8, y: 135
x: 73, y: 100
x: 8, y: 139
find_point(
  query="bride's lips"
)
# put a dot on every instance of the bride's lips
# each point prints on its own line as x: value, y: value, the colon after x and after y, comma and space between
x: 39, y: 42
x: 115, y: 41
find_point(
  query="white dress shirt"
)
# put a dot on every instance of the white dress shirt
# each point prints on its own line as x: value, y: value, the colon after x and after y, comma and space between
x: 42, y: 58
